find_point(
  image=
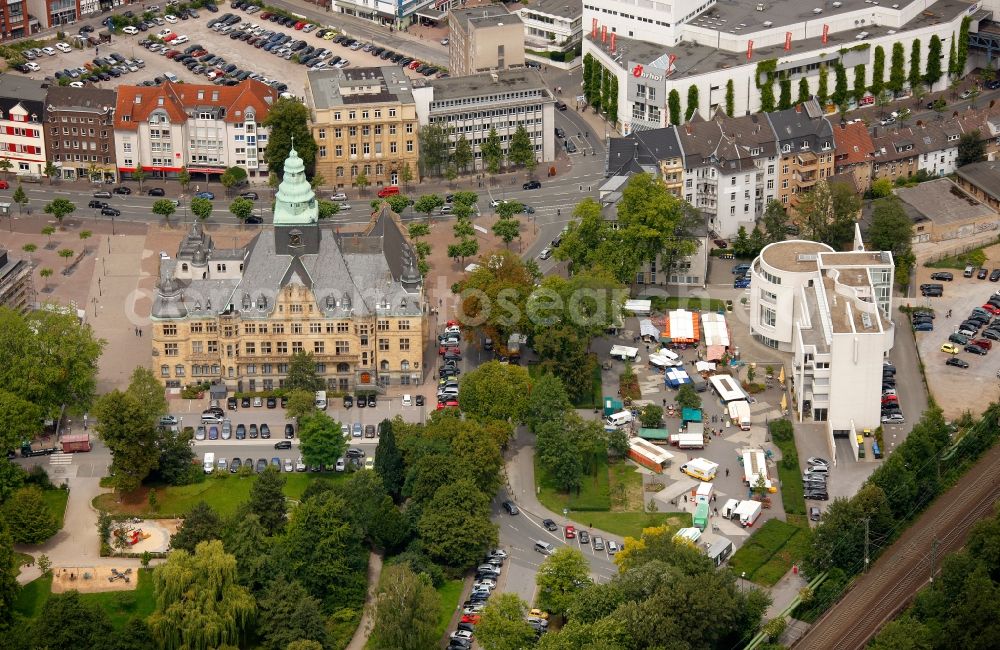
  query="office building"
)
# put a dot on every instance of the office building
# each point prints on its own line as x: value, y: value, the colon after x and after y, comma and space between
x: 504, y: 100
x: 483, y: 39
x: 202, y: 127
x: 805, y: 143
x: 354, y: 301
x: 552, y: 25
x: 364, y: 122
x: 16, y: 290
x: 831, y: 311
x: 395, y: 13
x: 22, y: 113
x: 15, y: 21
x: 80, y: 132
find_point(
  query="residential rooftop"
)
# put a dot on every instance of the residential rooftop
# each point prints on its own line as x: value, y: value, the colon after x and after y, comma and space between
x: 350, y: 86
x: 487, y: 83
x: 796, y: 255
x: 984, y: 175
x: 942, y: 202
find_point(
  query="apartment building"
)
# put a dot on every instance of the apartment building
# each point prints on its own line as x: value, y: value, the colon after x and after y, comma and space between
x: 395, y: 13
x: 80, y: 132
x: 657, y: 152
x: 204, y: 128
x: 16, y: 290
x: 896, y: 153
x: 552, y: 25
x: 483, y: 39
x: 831, y: 311
x: 22, y: 114
x: 364, y: 123
x: 805, y: 143
x: 853, y: 153
x: 354, y: 301
x: 15, y: 21
x: 501, y: 100
x: 55, y: 13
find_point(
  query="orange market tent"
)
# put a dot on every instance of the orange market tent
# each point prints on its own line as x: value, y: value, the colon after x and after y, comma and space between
x: 681, y: 326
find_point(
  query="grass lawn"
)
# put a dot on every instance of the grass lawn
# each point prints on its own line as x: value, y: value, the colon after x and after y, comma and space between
x: 56, y: 501
x: 120, y: 606
x: 665, y: 303
x: 594, y: 493
x: 630, y: 524
x: 788, y: 467
x: 21, y: 559
x: 224, y: 495
x: 771, y: 550
x: 976, y: 257
x: 450, y: 592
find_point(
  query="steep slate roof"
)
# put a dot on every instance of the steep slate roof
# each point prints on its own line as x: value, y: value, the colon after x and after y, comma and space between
x: 27, y: 92
x: 853, y: 144
x: 641, y: 151
x: 88, y: 98
x: 892, y: 145
x: 725, y: 142
x: 137, y: 103
x: 799, y: 124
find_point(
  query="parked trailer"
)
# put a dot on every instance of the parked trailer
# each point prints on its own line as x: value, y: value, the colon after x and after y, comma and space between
x: 75, y: 442
x: 720, y: 551
x: 688, y: 440
x: 754, y: 466
x: 739, y: 413
x: 748, y: 512
x: 624, y: 353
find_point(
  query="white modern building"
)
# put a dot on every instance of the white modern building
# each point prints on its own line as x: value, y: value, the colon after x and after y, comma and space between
x: 502, y: 100
x: 552, y: 25
x: 831, y: 311
x: 203, y: 128
x: 398, y: 13
x: 709, y: 44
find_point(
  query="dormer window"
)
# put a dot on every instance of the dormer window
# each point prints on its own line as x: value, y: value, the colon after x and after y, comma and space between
x: 756, y: 151
x: 331, y: 302
x: 261, y: 301
x: 805, y: 144
x: 346, y: 302
x: 785, y: 148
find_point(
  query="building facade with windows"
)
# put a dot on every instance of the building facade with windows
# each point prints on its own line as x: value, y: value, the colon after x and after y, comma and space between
x: 204, y: 128
x: 364, y: 122
x: 80, y: 132
x: 22, y: 116
x: 552, y: 25
x: 805, y: 145
x: 16, y: 289
x: 396, y: 13
x: 56, y: 12
x: 353, y: 301
x: 483, y: 39
x: 15, y: 21
x: 502, y: 100
x: 832, y: 312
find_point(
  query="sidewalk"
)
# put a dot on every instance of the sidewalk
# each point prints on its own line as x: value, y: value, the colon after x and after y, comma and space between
x: 360, y: 638
x: 783, y: 593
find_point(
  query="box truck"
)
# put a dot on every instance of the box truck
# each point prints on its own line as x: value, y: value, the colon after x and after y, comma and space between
x: 701, y: 468
x: 619, y: 419
x: 700, y: 519
x: 748, y: 512
x: 754, y: 466
x: 209, y: 464
x: 75, y: 442
x: 739, y: 413
x: 688, y: 440
x: 729, y: 510
x: 704, y: 493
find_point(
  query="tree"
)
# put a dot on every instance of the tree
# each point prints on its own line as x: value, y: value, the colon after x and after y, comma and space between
x: 462, y: 157
x: 466, y: 247
x: 21, y: 420
x: 496, y: 391
x: 674, y: 106
x: 241, y: 208
x: 507, y: 230
x: 9, y: 568
x: 971, y: 148
x: 822, y: 91
x: 962, y: 53
x: 50, y: 171
x: 328, y: 209
x: 184, y: 178
x: 828, y: 213
x: 502, y: 626
x: 28, y: 518
x: 232, y: 177
x: 688, y: 398
x: 859, y: 83
x: 301, y: 403
x: 547, y: 401
x: 566, y: 447
x: 389, y: 464
x: 405, y: 613
x: 651, y: 416
x: 201, y: 524
x: 418, y: 230
x: 455, y: 526
x: 20, y: 198
x: 882, y: 188
x: 785, y: 94
x: 840, y: 87
x: 6, y: 165
x: 267, y: 500
x: 46, y: 274
x: 508, y: 209
x: 361, y: 182
x: 127, y: 423
x: 67, y: 621
x: 692, y: 102
x: 320, y: 439
x: 915, y: 77
x: 741, y: 244
x: 521, y: 150
x: 897, y: 71
x: 176, y: 458
x: 560, y: 577
x: 730, y: 98
x: 492, y: 152
x: 164, y: 207
x: 202, y: 208
x: 428, y: 203
x: 287, y: 613
x: 406, y: 174
x: 302, y: 373
x: 891, y: 229
x: 59, y: 208
x: 766, y: 93
x: 222, y: 610
x: 433, y: 149
x: 139, y: 175
x: 66, y: 254
x: 803, y: 91
x: 878, y: 71
x: 775, y: 221
x: 933, y: 72
x: 288, y: 120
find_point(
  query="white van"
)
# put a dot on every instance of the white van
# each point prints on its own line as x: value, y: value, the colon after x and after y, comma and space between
x: 321, y: 400
x: 544, y: 547
x: 209, y: 464
x: 619, y: 419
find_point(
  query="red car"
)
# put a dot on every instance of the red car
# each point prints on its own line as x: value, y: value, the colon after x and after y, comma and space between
x: 990, y: 308
x: 4, y: 185
x: 472, y: 619
x: 414, y: 65
x: 890, y: 399
x: 444, y: 349
x: 388, y: 190
x: 450, y: 404
x: 300, y: 24
x: 570, y: 532
x: 983, y: 343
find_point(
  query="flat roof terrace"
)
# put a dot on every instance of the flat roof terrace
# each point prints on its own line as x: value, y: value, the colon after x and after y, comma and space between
x: 797, y: 255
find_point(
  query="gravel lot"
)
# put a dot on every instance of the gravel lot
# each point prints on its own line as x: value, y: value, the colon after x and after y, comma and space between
x: 954, y: 389
x: 234, y: 51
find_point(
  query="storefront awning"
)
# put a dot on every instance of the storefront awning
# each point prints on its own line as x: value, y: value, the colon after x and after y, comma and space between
x: 432, y: 14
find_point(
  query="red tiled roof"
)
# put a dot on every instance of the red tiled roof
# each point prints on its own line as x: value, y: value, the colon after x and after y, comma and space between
x: 853, y: 143
x: 136, y: 103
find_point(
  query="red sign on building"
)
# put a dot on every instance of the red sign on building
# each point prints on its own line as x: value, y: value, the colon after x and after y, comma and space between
x: 749, y: 50
x: 593, y: 28
x: 604, y: 33
x: 613, y: 42
x: 826, y: 32
x: 788, y: 41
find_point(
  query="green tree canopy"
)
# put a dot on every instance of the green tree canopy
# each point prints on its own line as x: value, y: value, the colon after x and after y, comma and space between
x: 405, y: 615
x: 201, y: 524
x: 428, y: 203
x: 302, y: 373
x: 267, y: 500
x: 502, y: 626
x: 241, y: 208
x: 971, y: 148
x: 496, y: 391
x: 547, y: 401
x: 28, y: 518
x: 69, y: 621
x: 492, y: 151
x: 287, y: 613
x: 9, y: 569
x: 828, y: 213
x: 301, y: 403
x: 164, y: 207
x: 288, y: 120
x: 897, y: 69
x: 389, y: 463
x: 506, y: 229
x: 687, y: 397
x: 891, y: 228
x: 321, y: 441
x: 522, y: 150
x: 455, y: 526
x: 59, y: 208
x: 560, y: 577
x: 201, y: 207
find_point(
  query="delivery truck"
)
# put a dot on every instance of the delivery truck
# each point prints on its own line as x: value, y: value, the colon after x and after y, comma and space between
x: 620, y: 419
x: 39, y: 448
x: 701, y: 468
x: 75, y: 442
x: 748, y: 512
x: 700, y: 519
x: 688, y: 440
x: 739, y: 413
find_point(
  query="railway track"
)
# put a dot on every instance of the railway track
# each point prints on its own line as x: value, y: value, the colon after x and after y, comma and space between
x: 909, y: 564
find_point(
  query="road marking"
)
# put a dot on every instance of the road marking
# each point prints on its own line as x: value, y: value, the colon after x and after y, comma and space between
x: 59, y: 458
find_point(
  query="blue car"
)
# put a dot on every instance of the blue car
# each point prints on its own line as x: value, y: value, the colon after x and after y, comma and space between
x: 923, y: 327
x: 742, y: 283
x: 205, y: 195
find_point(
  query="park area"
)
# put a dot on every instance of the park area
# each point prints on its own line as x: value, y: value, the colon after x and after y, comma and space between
x: 772, y: 550
x: 120, y: 605
x: 610, y: 498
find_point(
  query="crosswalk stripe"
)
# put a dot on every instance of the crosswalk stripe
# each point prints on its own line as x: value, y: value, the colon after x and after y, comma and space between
x: 60, y: 459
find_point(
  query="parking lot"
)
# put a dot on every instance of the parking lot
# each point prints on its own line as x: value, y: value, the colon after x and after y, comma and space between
x: 240, y: 53
x: 957, y: 389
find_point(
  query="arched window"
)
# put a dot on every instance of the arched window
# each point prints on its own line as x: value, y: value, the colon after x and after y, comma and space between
x: 379, y: 169
x: 384, y: 365
x: 164, y: 371
x: 184, y: 266
x: 343, y: 367
x: 404, y: 365
x: 368, y: 170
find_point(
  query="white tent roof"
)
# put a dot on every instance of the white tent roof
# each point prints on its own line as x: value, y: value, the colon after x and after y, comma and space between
x: 646, y: 328
x: 716, y: 332
x: 681, y: 324
x: 639, y: 306
x: 704, y: 366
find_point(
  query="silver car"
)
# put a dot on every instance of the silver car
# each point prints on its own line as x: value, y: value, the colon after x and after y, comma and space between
x: 227, y: 429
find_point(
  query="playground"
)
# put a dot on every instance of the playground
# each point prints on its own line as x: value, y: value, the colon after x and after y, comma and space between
x: 88, y: 580
x: 140, y: 535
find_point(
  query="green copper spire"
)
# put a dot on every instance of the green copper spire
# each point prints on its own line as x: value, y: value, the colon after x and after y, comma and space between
x: 295, y: 203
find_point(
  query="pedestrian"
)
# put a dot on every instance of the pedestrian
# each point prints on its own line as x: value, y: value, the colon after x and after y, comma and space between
x: 685, y: 498
x: 716, y: 512
x: 727, y: 471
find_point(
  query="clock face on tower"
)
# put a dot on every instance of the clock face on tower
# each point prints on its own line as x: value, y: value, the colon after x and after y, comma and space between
x: 295, y: 239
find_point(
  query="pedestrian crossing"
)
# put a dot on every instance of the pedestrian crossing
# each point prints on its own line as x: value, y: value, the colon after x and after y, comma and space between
x: 59, y: 458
